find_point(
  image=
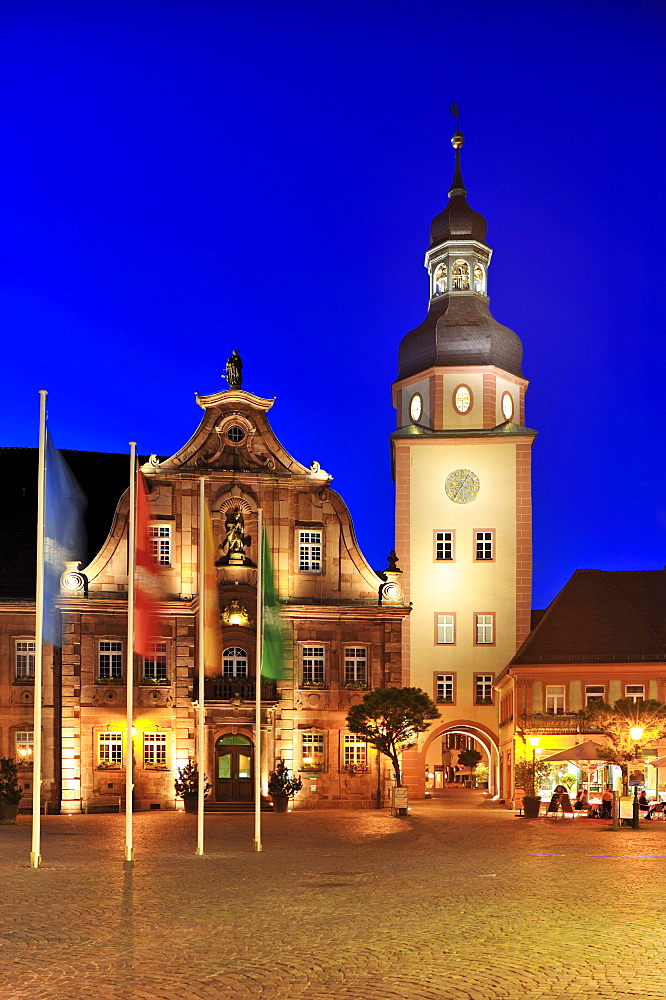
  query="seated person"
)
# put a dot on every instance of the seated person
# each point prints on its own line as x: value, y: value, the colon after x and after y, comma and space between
x: 582, y: 803
x: 606, y: 803
x: 643, y: 802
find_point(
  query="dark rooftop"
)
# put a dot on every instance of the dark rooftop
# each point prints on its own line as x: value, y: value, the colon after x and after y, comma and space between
x: 602, y: 617
x: 103, y: 478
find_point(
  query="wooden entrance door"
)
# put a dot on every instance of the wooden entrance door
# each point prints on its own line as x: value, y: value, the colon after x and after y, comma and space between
x: 234, y: 777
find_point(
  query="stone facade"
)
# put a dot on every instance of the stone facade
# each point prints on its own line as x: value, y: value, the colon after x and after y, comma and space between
x: 345, y: 623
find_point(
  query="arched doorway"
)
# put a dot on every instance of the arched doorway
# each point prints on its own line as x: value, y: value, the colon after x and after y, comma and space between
x: 234, y: 761
x: 483, y: 740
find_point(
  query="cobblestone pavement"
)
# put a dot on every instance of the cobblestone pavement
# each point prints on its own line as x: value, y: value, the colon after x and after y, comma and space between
x: 453, y: 901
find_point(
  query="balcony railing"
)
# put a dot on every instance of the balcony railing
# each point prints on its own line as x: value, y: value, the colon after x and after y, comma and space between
x: 234, y: 689
x: 565, y: 723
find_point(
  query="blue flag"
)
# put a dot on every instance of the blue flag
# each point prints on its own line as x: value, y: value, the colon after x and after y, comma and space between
x: 64, y: 534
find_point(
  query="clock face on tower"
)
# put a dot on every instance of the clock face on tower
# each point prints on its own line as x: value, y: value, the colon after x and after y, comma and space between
x: 415, y: 408
x: 462, y: 486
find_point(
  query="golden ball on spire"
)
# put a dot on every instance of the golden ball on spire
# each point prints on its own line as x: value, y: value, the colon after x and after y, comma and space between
x: 457, y: 140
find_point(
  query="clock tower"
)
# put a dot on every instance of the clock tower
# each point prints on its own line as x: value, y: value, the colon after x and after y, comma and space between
x: 461, y: 459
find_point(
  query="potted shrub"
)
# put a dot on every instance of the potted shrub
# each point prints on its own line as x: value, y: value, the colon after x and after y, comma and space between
x: 10, y: 791
x: 528, y: 774
x: 282, y: 786
x: 187, y: 785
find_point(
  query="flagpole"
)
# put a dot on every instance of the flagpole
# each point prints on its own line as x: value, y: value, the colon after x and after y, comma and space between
x: 257, y: 683
x: 129, y: 748
x: 35, y: 855
x: 201, y: 718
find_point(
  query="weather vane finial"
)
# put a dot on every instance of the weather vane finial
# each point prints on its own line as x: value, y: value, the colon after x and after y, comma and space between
x: 457, y: 139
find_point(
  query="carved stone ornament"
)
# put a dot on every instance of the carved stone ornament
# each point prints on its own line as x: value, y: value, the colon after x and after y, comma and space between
x: 236, y: 614
x: 73, y: 583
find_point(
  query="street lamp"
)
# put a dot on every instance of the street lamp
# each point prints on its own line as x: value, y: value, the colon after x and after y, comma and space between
x: 636, y: 733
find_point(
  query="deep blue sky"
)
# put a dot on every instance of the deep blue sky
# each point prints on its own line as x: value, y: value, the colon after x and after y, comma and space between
x: 179, y: 179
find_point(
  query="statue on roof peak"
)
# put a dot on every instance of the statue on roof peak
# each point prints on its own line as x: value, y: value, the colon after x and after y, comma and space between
x: 234, y: 370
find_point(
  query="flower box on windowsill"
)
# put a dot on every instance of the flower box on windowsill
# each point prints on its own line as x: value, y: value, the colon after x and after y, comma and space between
x: 109, y: 680
x: 156, y: 767
x: 108, y: 765
x: 317, y: 768
x: 484, y: 701
x: 313, y: 684
x: 155, y: 681
x: 444, y: 701
x: 25, y: 680
x: 355, y: 685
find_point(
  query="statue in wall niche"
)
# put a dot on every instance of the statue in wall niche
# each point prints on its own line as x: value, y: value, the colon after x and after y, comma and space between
x: 234, y: 370
x: 234, y: 542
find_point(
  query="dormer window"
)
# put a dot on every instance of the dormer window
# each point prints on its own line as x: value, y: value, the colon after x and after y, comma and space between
x: 441, y: 282
x: 460, y: 276
x: 479, y: 278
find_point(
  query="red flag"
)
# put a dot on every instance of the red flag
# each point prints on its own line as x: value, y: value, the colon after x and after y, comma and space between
x: 148, y: 582
x: 212, y: 643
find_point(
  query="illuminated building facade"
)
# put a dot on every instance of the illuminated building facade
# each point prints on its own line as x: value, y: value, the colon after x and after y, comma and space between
x: 344, y: 619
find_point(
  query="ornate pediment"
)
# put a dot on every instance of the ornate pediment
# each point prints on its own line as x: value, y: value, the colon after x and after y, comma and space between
x: 235, y: 436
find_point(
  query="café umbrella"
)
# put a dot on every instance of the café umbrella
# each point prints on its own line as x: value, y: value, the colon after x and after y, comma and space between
x: 583, y: 755
x: 659, y: 762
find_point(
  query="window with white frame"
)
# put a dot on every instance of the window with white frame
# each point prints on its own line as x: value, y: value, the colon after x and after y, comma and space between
x: 110, y: 748
x: 484, y: 629
x: 483, y: 684
x: 444, y: 688
x: 309, y: 551
x: 313, y: 665
x: 444, y: 546
x: 554, y: 699
x: 484, y: 545
x: 356, y: 665
x: 355, y: 751
x: 154, y: 748
x: 234, y: 662
x: 24, y: 740
x: 24, y: 659
x: 445, y: 627
x: 312, y: 750
x: 155, y: 664
x: 634, y: 692
x: 594, y: 692
x: 160, y: 543
x: 110, y: 660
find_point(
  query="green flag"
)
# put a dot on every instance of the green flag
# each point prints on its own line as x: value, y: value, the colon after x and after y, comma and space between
x: 273, y: 646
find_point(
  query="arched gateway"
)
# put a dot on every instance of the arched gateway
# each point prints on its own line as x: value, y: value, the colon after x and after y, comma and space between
x: 485, y: 741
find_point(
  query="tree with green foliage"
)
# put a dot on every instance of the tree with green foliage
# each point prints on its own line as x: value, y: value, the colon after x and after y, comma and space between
x: 616, y: 721
x: 529, y: 774
x: 469, y: 758
x: 390, y: 719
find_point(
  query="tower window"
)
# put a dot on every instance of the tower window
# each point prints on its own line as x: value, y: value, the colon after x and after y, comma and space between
x: 485, y: 545
x: 462, y: 399
x: 460, y: 276
x: 479, y: 278
x: 483, y: 684
x: 440, y: 279
x: 444, y: 688
x: 445, y: 629
x: 594, y: 692
x: 443, y: 546
x: 485, y: 629
x: 235, y: 434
